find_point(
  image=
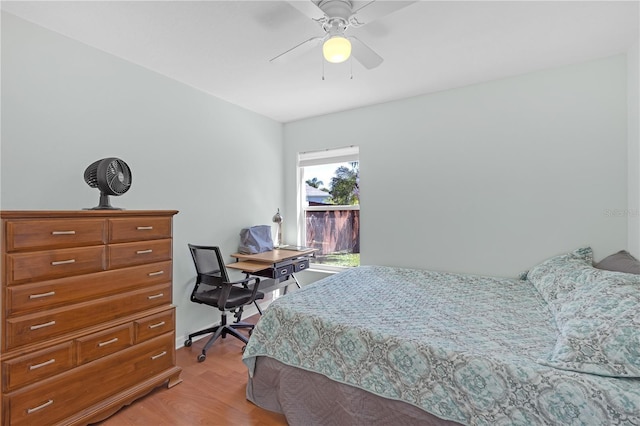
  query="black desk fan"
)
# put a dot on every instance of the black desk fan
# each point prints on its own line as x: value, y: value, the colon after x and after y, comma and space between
x: 111, y: 176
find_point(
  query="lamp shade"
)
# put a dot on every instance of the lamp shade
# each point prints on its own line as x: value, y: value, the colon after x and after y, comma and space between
x: 277, y: 218
x: 337, y: 49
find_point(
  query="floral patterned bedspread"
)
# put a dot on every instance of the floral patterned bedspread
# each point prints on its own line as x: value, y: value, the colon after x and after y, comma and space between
x: 462, y: 347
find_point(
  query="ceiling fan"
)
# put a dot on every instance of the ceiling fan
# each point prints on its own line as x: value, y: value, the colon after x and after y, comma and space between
x: 335, y: 17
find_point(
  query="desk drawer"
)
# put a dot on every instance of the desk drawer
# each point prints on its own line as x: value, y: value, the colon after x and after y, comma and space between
x: 280, y: 272
x: 300, y: 265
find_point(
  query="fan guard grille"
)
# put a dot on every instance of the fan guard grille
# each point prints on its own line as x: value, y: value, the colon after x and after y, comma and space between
x: 111, y: 176
x: 118, y: 176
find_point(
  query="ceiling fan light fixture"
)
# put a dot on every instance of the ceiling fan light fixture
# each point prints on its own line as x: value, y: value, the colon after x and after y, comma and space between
x: 336, y: 49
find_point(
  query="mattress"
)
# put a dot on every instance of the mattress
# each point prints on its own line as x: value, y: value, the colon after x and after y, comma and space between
x: 463, y: 348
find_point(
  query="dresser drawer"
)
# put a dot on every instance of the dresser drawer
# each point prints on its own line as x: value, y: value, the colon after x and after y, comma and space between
x: 154, y: 325
x: 97, y: 345
x: 139, y: 228
x: 55, y: 233
x: 41, y: 265
x: 56, y: 398
x: 26, y: 298
x: 128, y: 254
x: 37, y: 365
x: 41, y: 326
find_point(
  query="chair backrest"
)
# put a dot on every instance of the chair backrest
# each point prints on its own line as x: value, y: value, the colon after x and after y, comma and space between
x: 209, y: 264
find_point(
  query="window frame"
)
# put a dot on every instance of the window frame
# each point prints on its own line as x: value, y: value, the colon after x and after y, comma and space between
x: 316, y: 158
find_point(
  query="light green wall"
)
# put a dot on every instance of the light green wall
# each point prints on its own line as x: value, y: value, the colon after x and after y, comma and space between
x: 633, y: 156
x: 65, y: 105
x: 489, y: 178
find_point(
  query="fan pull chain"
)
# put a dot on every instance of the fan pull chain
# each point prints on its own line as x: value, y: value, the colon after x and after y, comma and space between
x: 351, y: 67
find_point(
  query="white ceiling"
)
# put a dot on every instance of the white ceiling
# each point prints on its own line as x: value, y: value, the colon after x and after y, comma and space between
x: 223, y: 47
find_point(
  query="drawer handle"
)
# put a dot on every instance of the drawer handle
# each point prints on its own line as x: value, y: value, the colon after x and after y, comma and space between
x: 63, y: 262
x: 153, y: 274
x: 283, y: 272
x: 46, y: 324
x: 108, y: 342
x: 160, y: 324
x: 144, y: 251
x: 302, y: 266
x: 39, y: 407
x: 36, y: 366
x: 161, y: 354
x: 144, y: 228
x: 63, y: 233
x: 37, y: 296
x: 155, y: 296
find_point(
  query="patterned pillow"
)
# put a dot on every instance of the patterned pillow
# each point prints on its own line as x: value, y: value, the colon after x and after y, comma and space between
x: 556, y: 277
x: 597, y: 313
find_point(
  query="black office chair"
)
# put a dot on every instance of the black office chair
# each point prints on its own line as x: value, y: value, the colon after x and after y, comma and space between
x: 214, y: 288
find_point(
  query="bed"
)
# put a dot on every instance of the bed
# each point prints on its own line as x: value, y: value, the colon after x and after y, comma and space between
x: 383, y: 345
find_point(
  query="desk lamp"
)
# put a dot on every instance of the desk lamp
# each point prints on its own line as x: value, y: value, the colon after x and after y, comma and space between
x: 277, y: 218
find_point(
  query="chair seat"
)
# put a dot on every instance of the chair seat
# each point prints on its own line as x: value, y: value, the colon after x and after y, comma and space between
x: 237, y: 296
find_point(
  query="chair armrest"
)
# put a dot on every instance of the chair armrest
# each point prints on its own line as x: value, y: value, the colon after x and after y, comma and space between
x: 243, y: 281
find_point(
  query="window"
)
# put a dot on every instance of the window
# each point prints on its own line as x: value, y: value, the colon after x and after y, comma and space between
x: 329, y: 200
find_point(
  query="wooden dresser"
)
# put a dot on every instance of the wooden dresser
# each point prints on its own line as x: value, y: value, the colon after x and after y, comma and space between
x: 87, y: 320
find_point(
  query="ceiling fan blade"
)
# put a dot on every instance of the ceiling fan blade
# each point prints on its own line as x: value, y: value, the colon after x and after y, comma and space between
x: 376, y: 9
x: 364, y: 54
x: 297, y: 50
x: 308, y: 8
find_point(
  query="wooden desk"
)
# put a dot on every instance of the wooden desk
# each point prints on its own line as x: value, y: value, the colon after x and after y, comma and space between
x: 278, y: 264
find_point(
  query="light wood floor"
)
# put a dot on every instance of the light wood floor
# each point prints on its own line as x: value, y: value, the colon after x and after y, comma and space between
x: 211, y: 393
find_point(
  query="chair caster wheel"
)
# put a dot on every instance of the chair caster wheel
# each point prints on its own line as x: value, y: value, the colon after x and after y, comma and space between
x: 201, y: 357
x: 250, y: 331
x: 187, y: 343
x: 243, y: 348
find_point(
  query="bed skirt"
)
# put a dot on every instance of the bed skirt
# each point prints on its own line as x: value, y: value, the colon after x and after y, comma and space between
x: 307, y: 398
